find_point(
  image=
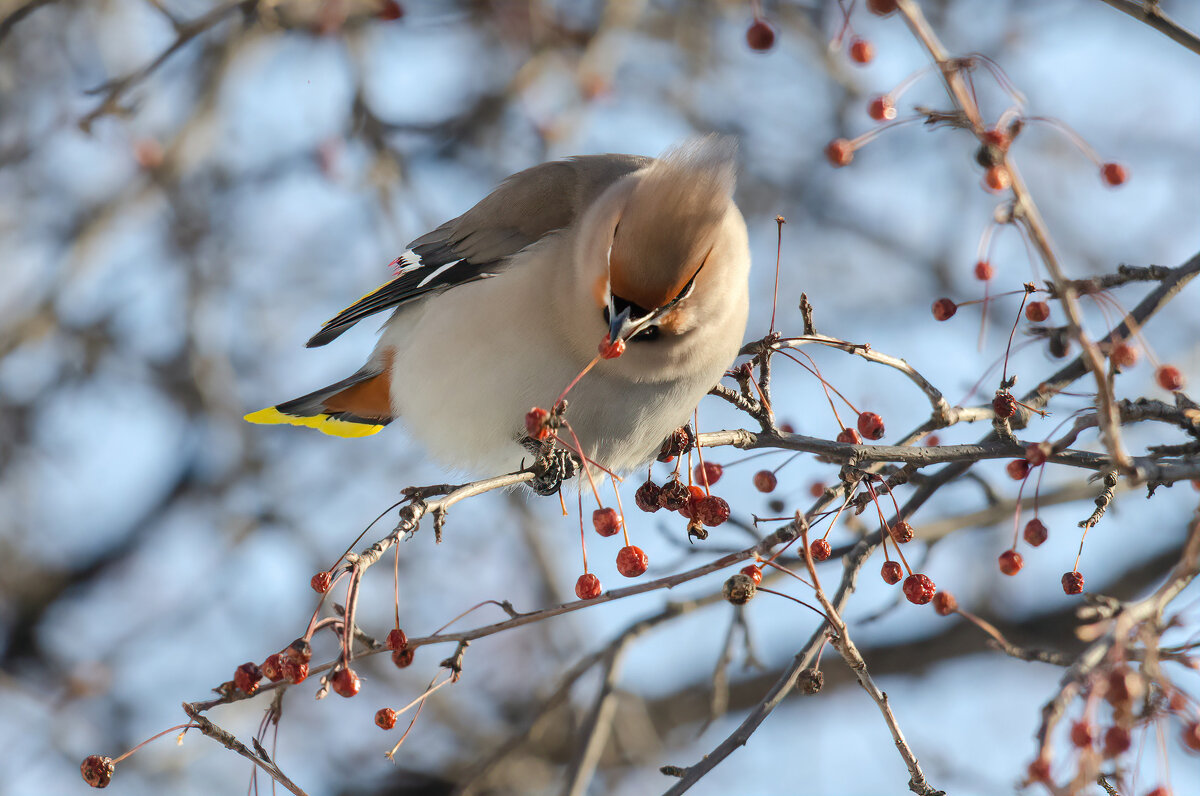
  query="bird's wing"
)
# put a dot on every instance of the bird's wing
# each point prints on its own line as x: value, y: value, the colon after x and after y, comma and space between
x: 478, y: 244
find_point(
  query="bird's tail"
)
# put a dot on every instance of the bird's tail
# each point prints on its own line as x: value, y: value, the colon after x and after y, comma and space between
x: 355, y: 407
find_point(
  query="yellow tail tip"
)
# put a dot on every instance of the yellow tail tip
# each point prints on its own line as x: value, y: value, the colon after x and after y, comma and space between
x: 323, y: 423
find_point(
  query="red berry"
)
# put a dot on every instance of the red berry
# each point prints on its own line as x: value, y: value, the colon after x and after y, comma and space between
x: 861, y: 51
x: 944, y: 309
x: 708, y: 473
x: 272, y: 668
x: 765, y: 481
x: 996, y: 137
x: 1018, y: 469
x: 787, y: 428
x: 646, y: 497
x: 606, y: 521
x: 881, y: 7
x: 1011, y: 562
x: 247, y: 677
x: 1116, y: 741
x: 1191, y: 736
x: 1081, y: 734
x: 385, y: 718
x: 345, y: 682
x: 1160, y: 791
x: 881, y: 108
x: 933, y: 440
x: 849, y: 436
x: 984, y: 271
x: 839, y: 152
x: 1037, y: 453
x: 1113, y: 174
x: 871, y: 425
x: 891, y: 572
x: 1124, y: 355
x: 997, y: 179
x: 902, y: 532
x: 816, y: 489
x: 611, y: 350
x: 631, y: 561
x: 1072, y: 582
x: 391, y: 10
x: 1039, y: 770
x: 537, y: 423
x: 754, y: 573
x: 712, y: 511
x: 1035, y: 532
x: 321, y: 582
x: 919, y: 589
x: 760, y: 36
x: 97, y: 771
x: 690, y: 506
x: 403, y: 658
x: 1037, y: 311
x: 587, y: 587
x: 1169, y: 377
x: 1004, y: 405
x: 819, y: 550
x: 944, y: 603
x: 396, y: 640
x: 294, y: 671
x: 673, y: 496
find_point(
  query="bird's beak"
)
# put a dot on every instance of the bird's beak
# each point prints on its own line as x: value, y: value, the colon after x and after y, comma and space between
x: 623, y: 326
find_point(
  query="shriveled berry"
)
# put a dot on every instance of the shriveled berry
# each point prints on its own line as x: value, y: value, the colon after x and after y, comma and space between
x: 696, y: 530
x: 1113, y: 174
x: 390, y: 11
x: 765, y: 481
x: 881, y: 108
x: 632, y: 561
x: 610, y: 350
x: 708, y: 473
x: 1072, y: 582
x: 1011, y: 562
x: 1082, y: 735
x: 385, y: 718
x: 810, y: 681
x: 1039, y: 770
x: 272, y: 667
x: 97, y: 771
x: 1037, y: 311
x: 839, y: 152
x: 902, y: 532
x: 760, y: 36
x: 1017, y: 469
x: 997, y: 179
x: 606, y: 521
x: 1124, y: 355
x: 849, y: 436
x: 1035, y: 532
x: 321, y: 582
x: 396, y: 639
x: 1169, y: 377
x: 881, y: 7
x: 1037, y: 453
x: 646, y: 497
x: 919, y: 589
x: 739, y: 589
x: 299, y: 651
x: 944, y: 603
x: 247, y: 677
x: 403, y: 658
x: 587, y: 587
x: 752, y: 572
x: 820, y: 550
x: 689, y: 508
x: 891, y: 572
x: 1191, y: 736
x: 677, y: 443
x: 870, y: 425
x: 294, y: 671
x: 984, y: 271
x: 712, y: 511
x: 1116, y: 741
x: 861, y: 51
x: 537, y: 423
x: 345, y: 682
x: 1004, y: 405
x: 673, y: 495
x: 944, y: 309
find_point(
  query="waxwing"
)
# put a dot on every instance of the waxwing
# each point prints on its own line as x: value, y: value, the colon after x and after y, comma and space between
x: 498, y: 310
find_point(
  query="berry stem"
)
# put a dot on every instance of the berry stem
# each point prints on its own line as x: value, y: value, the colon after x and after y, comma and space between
x: 155, y: 737
x: 779, y: 222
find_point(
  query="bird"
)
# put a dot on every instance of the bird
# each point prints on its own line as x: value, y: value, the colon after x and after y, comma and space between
x: 495, y: 312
